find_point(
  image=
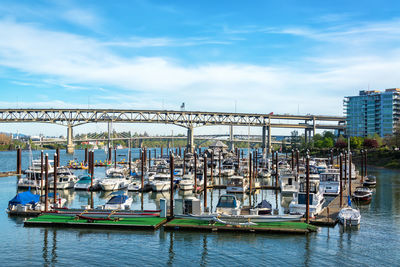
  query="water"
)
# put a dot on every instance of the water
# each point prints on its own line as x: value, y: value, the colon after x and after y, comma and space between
x: 375, y: 243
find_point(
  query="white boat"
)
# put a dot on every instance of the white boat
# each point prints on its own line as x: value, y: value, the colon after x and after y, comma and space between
x: 161, y: 182
x: 228, y: 169
x: 237, y: 184
x: 298, y: 204
x: 115, y: 180
x: 118, y: 202
x: 84, y: 183
x: 228, y: 204
x: 65, y: 179
x: 329, y: 182
x: 349, y: 216
x: 134, y: 186
x: 33, y: 173
x: 187, y: 182
x: 287, y: 182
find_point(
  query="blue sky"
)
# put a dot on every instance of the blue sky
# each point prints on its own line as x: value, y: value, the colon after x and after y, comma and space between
x: 265, y: 56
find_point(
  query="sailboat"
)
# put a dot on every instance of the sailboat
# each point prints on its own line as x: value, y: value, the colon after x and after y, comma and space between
x: 349, y: 216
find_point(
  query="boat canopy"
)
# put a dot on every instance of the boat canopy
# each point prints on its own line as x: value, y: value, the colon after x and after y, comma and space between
x: 117, y: 199
x: 227, y: 201
x: 264, y: 205
x: 24, y: 198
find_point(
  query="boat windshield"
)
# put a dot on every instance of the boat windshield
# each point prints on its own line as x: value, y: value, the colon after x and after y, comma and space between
x: 117, y: 199
x: 226, y: 202
x: 302, y: 198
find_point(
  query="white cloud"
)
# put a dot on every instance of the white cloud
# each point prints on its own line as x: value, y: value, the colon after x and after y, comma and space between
x: 78, y: 62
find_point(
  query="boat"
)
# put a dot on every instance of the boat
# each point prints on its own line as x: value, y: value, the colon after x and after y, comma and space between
x: 23, y: 202
x: 115, y: 180
x: 349, y: 216
x: 362, y: 195
x: 264, y: 207
x: 65, y: 179
x: 33, y: 174
x: 329, y: 181
x: 161, y: 182
x: 228, y: 204
x: 134, y: 186
x: 370, y: 181
x: 84, y: 183
x: 187, y: 182
x: 237, y: 184
x: 298, y: 204
x: 287, y: 182
x: 118, y: 202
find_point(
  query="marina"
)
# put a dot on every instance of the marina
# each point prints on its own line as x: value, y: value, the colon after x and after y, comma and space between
x: 184, y: 227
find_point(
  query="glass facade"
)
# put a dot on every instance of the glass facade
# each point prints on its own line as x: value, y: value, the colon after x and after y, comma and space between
x: 372, y: 112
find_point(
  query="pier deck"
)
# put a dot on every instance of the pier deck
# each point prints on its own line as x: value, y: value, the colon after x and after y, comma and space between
x: 48, y: 220
x: 328, y: 215
x: 272, y: 227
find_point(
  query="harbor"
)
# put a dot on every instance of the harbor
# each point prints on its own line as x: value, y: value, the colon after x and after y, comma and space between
x: 174, y: 236
x: 282, y: 174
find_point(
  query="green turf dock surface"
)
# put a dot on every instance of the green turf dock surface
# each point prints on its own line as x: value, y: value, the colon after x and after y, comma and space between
x: 70, y: 221
x: 272, y: 227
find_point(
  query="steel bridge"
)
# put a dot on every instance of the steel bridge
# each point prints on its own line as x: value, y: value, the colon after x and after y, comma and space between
x: 188, y: 119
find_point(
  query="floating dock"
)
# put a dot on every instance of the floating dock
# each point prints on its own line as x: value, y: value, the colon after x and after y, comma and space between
x: 50, y: 220
x: 270, y: 227
x: 328, y: 215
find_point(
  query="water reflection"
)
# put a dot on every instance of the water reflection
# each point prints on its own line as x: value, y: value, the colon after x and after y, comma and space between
x: 52, y: 259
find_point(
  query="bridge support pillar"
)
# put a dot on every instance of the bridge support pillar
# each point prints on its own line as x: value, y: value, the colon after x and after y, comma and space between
x: 190, y: 140
x: 314, y: 126
x: 70, y: 144
x: 231, y: 144
x: 269, y: 139
x: 264, y: 138
x: 306, y: 136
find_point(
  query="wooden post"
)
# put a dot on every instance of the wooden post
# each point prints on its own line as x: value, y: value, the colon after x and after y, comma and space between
x: 58, y: 157
x: 115, y: 157
x: 161, y: 152
x: 220, y: 167
x: 345, y: 168
x: 365, y: 163
x: 109, y: 155
x: 184, y: 162
x: 86, y: 156
x: 362, y: 165
x: 212, y: 168
x: 308, y: 189
x: 41, y: 174
x: 19, y: 169
x: 149, y: 158
x: 91, y: 167
x: 55, y: 181
x: 238, y: 162
x: 171, y: 201
x: 250, y: 177
x: 277, y: 171
x: 272, y: 160
x: 350, y: 173
x: 142, y: 171
x: 205, y: 181
x: 195, y: 171
x: 46, y: 189
x: 341, y: 179
x: 297, y: 161
x: 292, y: 161
x: 130, y: 159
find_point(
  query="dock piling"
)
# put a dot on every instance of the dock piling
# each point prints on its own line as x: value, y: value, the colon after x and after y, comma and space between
x: 19, y: 170
x: 55, y: 180
x: 46, y: 190
x: 171, y: 203
x: 205, y: 181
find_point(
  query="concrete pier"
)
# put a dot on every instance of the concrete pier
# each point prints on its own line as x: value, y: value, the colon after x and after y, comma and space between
x: 70, y: 144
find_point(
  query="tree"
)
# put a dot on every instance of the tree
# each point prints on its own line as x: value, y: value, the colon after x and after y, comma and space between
x: 341, y: 143
x: 356, y: 142
x: 370, y: 143
x: 327, y: 142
